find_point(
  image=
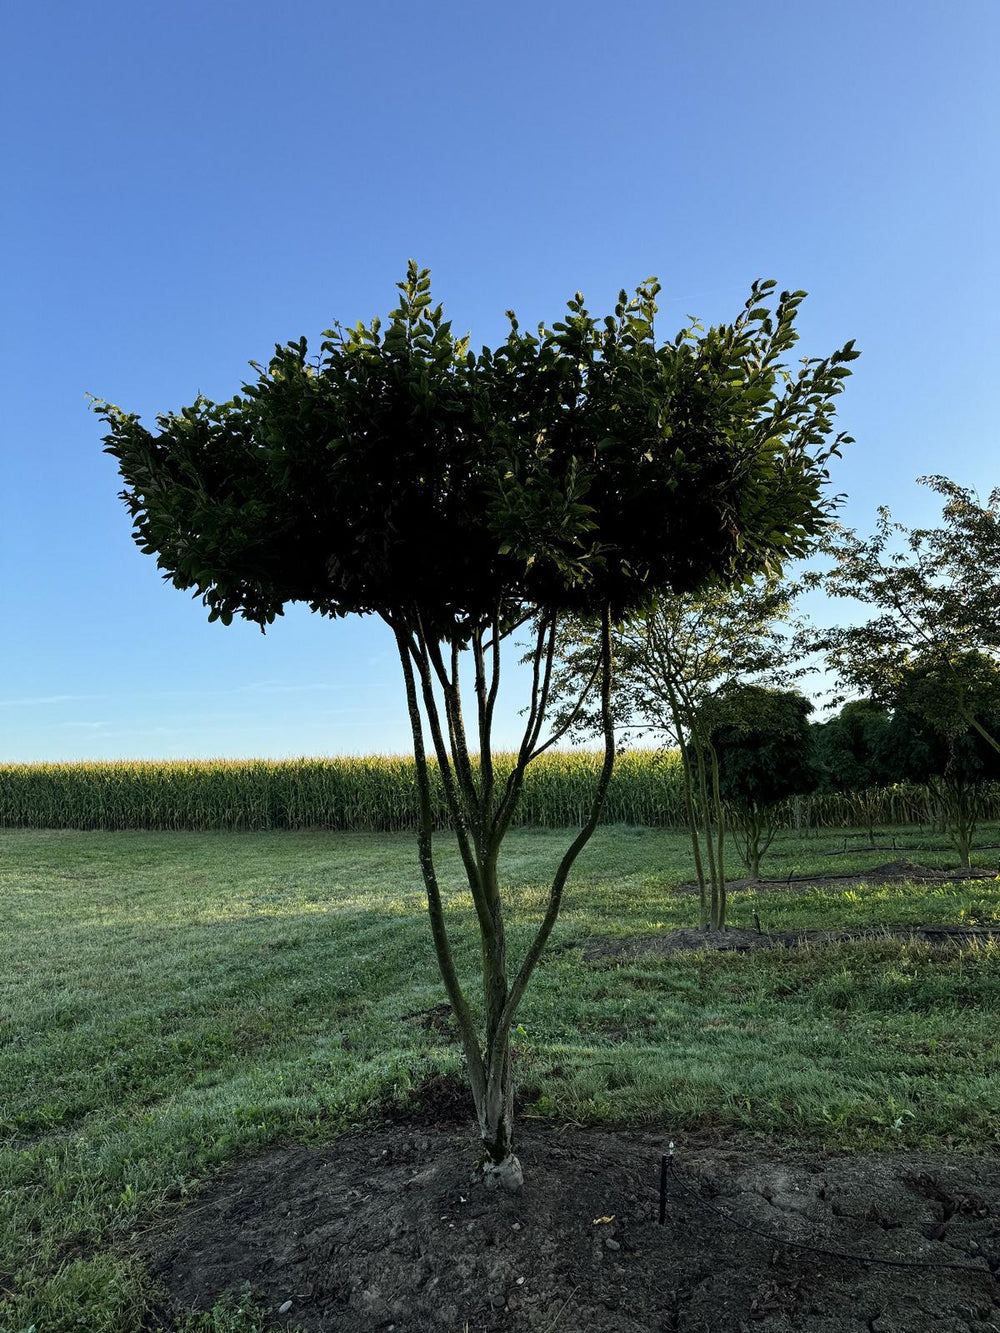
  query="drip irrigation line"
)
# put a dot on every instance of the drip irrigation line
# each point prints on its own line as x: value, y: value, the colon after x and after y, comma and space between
x: 668, y: 1169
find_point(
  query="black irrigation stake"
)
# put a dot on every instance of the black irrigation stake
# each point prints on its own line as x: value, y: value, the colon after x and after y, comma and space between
x: 663, y: 1185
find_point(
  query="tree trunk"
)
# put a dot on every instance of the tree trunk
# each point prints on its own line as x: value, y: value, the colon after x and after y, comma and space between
x: 689, y: 804
x: 499, y: 1167
x: 720, y: 858
x: 959, y: 804
x: 965, y: 826
x: 706, y: 815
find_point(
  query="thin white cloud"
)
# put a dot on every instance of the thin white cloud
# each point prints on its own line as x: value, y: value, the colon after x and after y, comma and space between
x: 254, y: 687
x: 278, y: 687
x: 51, y: 699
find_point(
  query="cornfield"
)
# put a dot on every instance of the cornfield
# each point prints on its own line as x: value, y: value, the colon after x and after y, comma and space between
x: 365, y: 794
x: 378, y: 794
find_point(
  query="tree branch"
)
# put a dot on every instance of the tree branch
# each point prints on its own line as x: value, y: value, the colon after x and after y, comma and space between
x: 435, y: 910
x: 562, y: 729
x: 456, y: 732
x: 512, y: 787
x: 579, y: 842
x: 417, y: 650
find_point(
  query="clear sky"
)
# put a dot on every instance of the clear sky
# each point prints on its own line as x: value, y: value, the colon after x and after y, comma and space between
x: 186, y: 183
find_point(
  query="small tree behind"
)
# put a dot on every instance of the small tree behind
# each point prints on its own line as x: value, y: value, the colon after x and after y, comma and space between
x: 852, y: 755
x: 671, y: 661
x: 580, y: 470
x: 931, y: 739
x: 765, y: 753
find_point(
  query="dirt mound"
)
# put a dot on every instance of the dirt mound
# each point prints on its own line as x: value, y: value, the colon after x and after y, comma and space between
x: 904, y: 869
x: 383, y: 1231
x: 737, y: 940
x: 684, y: 941
x: 890, y: 872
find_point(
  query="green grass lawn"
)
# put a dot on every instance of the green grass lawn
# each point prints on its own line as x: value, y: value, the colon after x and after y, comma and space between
x: 169, y: 1002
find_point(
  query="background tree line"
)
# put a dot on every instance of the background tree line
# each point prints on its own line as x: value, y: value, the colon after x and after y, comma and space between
x: 718, y: 676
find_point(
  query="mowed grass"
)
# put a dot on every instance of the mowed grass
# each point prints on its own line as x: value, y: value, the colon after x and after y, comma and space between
x: 171, y: 1001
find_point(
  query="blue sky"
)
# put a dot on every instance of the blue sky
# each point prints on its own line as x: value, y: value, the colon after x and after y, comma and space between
x: 187, y: 183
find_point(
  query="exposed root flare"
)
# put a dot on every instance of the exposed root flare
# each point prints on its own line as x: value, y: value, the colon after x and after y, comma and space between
x: 503, y: 1175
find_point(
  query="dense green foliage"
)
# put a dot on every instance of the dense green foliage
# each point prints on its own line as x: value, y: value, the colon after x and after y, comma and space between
x: 852, y: 750
x: 402, y: 474
x: 764, y: 744
x: 764, y: 751
x: 945, y: 711
x: 378, y: 794
x: 208, y: 986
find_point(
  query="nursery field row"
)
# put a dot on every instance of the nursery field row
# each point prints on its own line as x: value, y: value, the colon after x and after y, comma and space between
x: 378, y: 794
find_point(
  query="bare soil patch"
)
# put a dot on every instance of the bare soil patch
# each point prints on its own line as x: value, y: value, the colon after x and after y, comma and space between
x: 382, y: 1230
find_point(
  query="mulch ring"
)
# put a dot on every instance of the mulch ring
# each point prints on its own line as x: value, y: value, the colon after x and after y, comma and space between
x: 737, y: 940
x: 891, y: 872
x: 383, y: 1231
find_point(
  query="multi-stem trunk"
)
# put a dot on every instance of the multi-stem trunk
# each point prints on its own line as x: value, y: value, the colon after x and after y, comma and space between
x: 720, y: 859
x: 714, y: 825
x: 959, y: 801
x: 689, y: 804
x: 705, y: 811
x: 748, y: 822
x: 751, y: 844
x: 495, y: 1109
x: 481, y: 816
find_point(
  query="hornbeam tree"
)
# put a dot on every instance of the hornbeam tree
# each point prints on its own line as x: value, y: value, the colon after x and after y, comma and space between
x: 461, y: 496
